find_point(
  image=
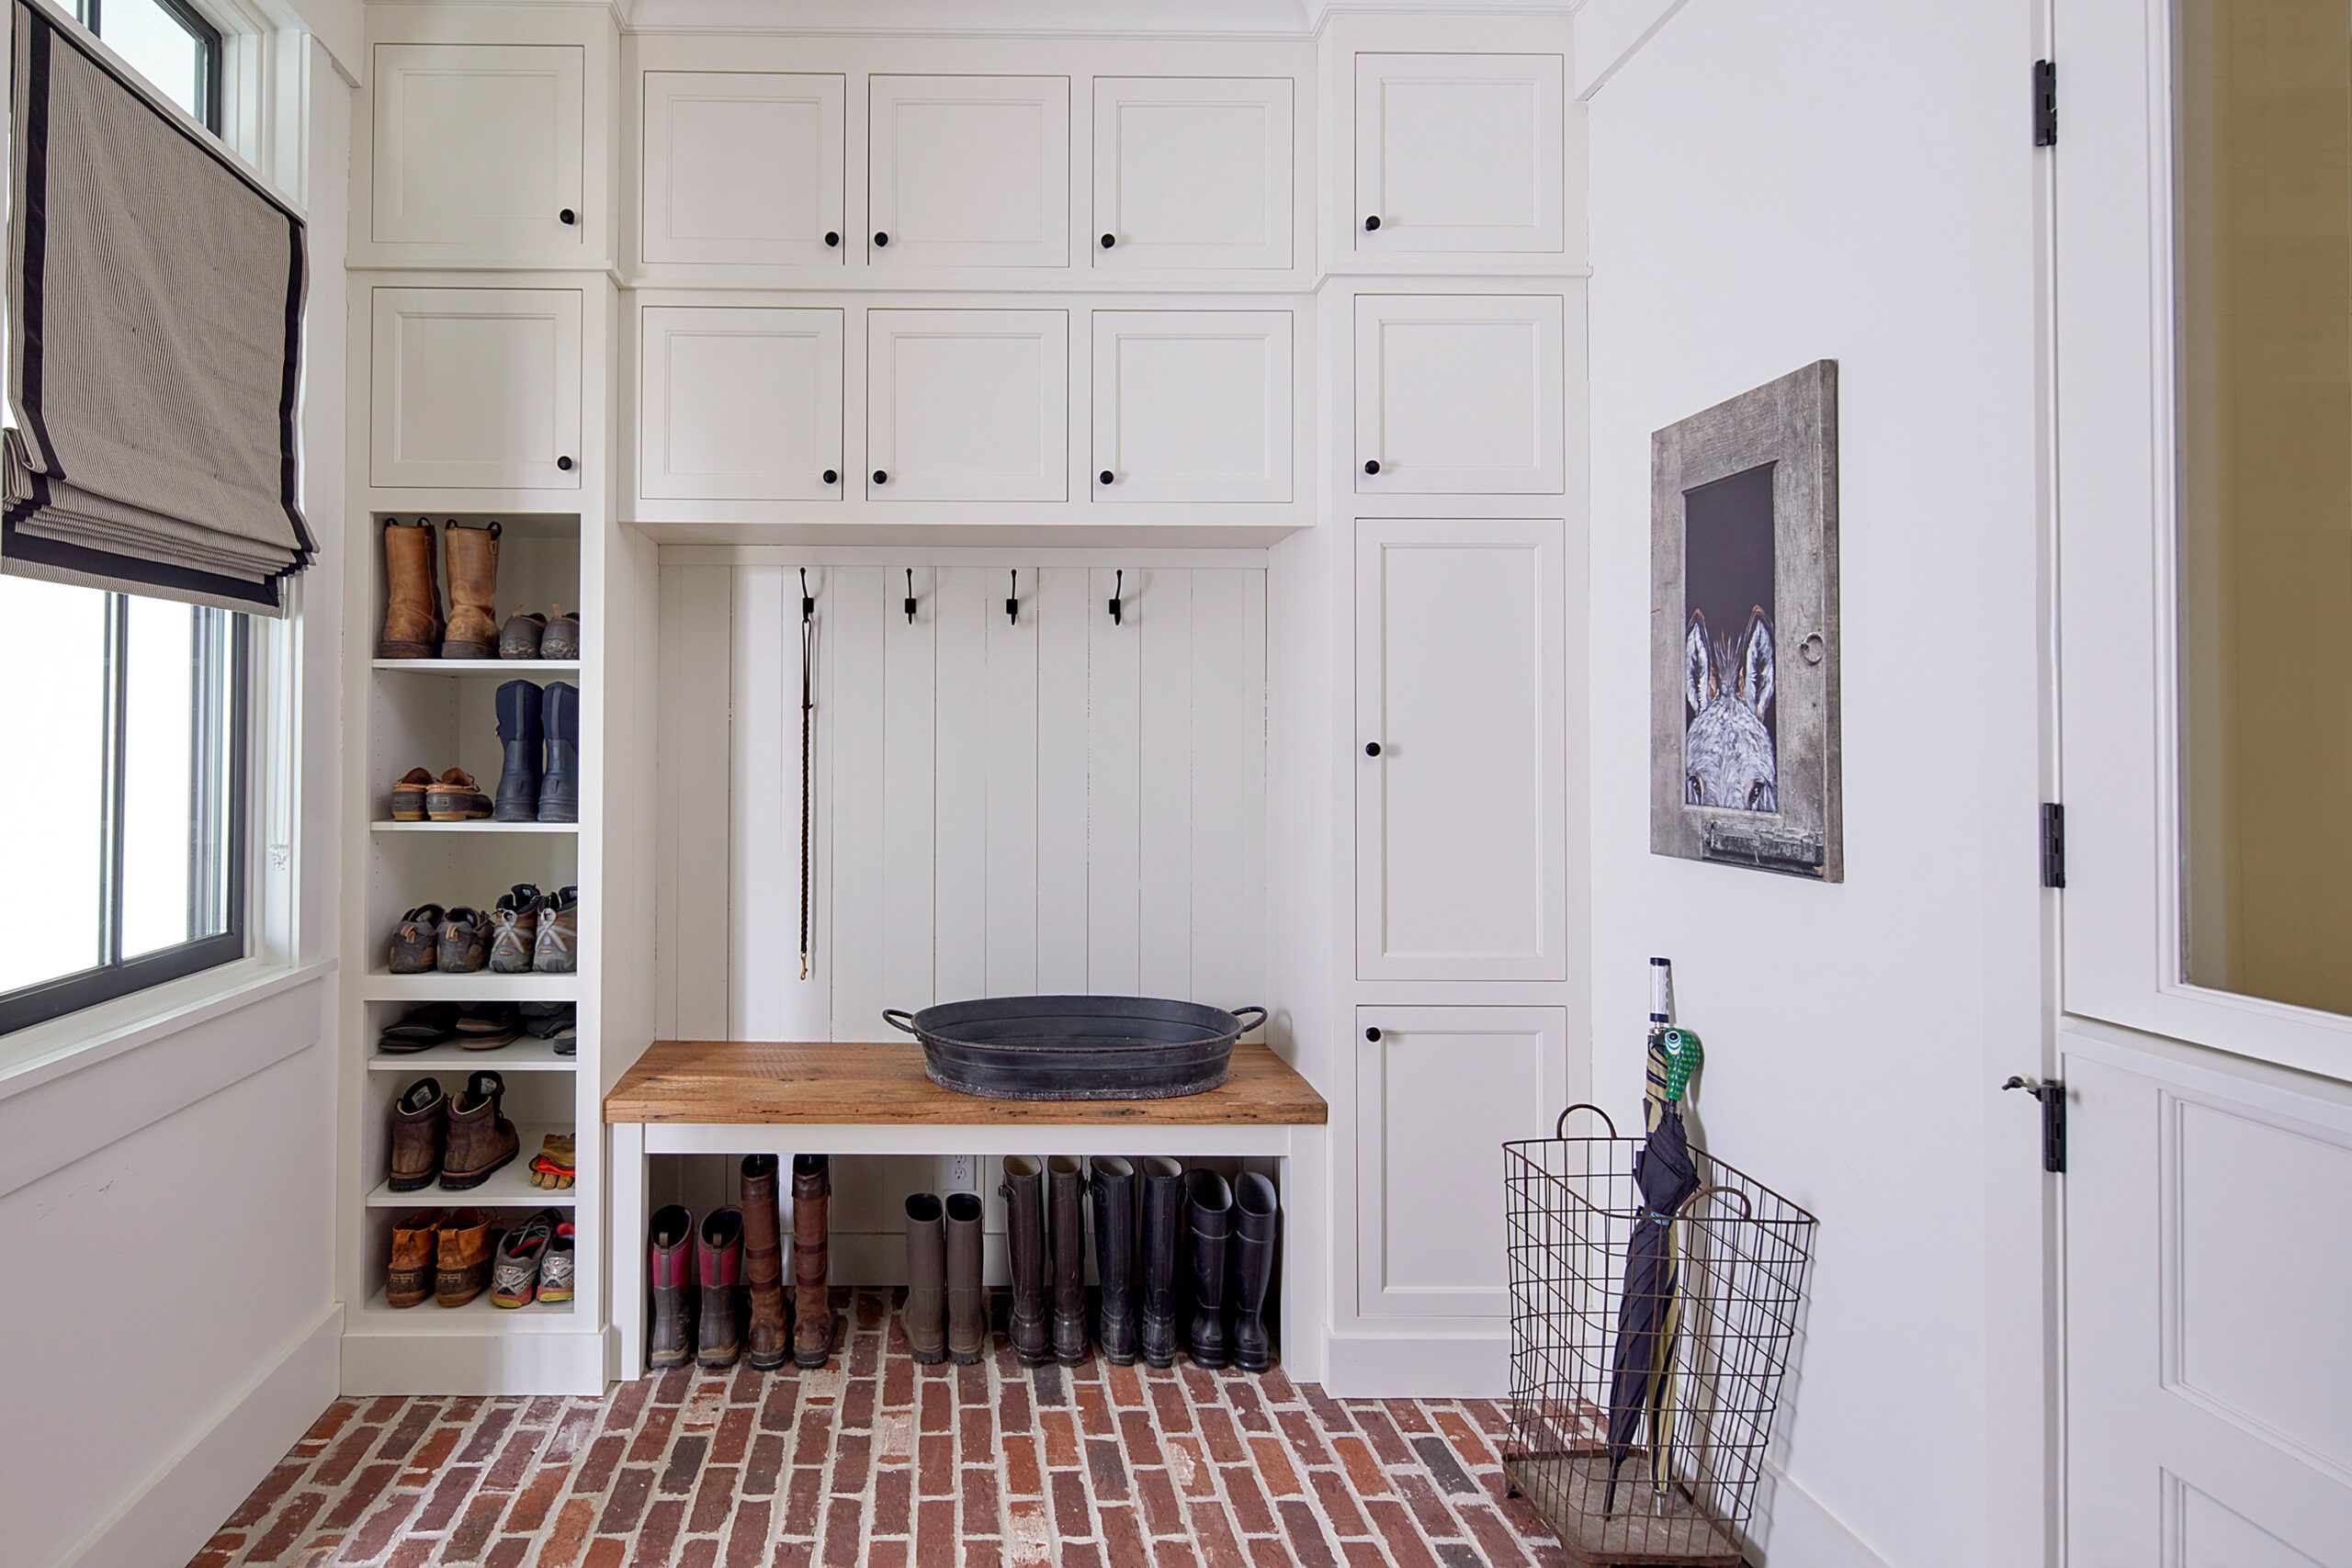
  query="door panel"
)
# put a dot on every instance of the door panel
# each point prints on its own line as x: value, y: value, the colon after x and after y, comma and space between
x: 1460, y: 872
x: 1436, y: 1095
x: 740, y: 403
x: 1192, y: 172
x: 479, y: 146
x: 1193, y: 405
x: 968, y: 405
x: 742, y: 167
x: 1460, y: 395
x: 476, y: 388
x: 1459, y: 152
x: 968, y: 171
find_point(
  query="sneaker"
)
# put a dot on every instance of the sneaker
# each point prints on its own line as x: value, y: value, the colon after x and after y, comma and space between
x: 514, y: 930
x: 556, y: 1271
x: 557, y: 950
x: 464, y: 946
x: 416, y: 940
x: 515, y: 1277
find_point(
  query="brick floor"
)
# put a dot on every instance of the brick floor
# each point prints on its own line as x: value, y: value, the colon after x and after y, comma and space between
x: 874, y: 1460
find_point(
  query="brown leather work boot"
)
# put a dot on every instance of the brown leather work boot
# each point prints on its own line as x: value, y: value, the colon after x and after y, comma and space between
x: 812, y: 1302
x: 412, y: 592
x: 769, y: 1340
x: 481, y: 1140
x: 416, y: 1250
x: 420, y: 1124
x: 462, y: 1266
x: 473, y: 591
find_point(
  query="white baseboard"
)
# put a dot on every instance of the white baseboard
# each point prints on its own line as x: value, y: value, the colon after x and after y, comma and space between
x: 178, y: 1508
x: 1419, y: 1366
x: 1792, y: 1529
x: 487, y: 1363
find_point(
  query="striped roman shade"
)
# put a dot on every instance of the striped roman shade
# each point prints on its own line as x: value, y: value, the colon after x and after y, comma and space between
x: 155, y: 345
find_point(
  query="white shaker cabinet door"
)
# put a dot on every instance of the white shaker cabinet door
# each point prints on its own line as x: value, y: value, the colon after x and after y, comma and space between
x: 1461, y: 750
x: 968, y: 405
x: 742, y: 167
x: 1461, y: 394
x: 740, y: 403
x: 479, y: 148
x: 1192, y: 172
x: 967, y: 171
x: 475, y: 388
x: 1192, y: 405
x: 1460, y: 153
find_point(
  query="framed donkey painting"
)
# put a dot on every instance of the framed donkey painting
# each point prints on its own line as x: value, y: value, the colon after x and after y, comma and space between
x: 1743, y: 747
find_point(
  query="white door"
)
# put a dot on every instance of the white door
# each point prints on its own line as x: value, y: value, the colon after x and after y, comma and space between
x: 968, y: 171
x: 968, y: 405
x: 1439, y: 1091
x: 1460, y: 152
x: 2204, y: 490
x: 475, y: 388
x: 742, y: 167
x: 1192, y: 405
x: 740, y: 403
x: 1461, y: 394
x: 1461, y: 750
x: 478, y: 147
x: 1192, y: 172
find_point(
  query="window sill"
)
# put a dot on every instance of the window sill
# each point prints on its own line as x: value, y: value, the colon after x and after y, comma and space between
x: 46, y: 1052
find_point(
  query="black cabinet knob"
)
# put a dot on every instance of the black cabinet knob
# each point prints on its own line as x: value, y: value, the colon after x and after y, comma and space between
x: 569, y: 217
x: 1108, y: 241
x: 1372, y: 747
x: 832, y: 236
x: 1371, y: 224
x: 880, y: 238
x: 1372, y: 1034
x: 881, y: 477
x: 1104, y: 475
x: 564, y: 463
x: 832, y: 477
x: 1372, y: 465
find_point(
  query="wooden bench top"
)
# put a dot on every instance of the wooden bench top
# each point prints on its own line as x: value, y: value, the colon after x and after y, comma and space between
x: 847, y: 1083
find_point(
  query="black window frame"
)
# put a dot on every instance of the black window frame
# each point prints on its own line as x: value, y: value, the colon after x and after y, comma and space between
x: 91, y: 14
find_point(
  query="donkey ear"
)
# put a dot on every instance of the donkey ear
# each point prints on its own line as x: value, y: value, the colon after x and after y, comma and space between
x: 1698, y: 680
x: 1756, y: 674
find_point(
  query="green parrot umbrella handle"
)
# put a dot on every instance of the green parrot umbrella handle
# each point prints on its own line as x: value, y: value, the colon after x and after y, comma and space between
x: 1684, y: 1056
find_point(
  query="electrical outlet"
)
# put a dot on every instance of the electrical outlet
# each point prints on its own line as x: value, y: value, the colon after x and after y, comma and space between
x: 960, y: 1173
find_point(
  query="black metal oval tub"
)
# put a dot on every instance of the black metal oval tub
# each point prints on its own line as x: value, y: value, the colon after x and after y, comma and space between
x: 1076, y: 1047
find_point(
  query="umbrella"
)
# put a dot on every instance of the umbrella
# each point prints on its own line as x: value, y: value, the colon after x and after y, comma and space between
x: 1641, y: 1377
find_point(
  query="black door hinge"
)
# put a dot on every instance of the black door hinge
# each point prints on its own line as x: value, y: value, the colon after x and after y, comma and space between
x: 2045, y: 103
x: 2054, y: 844
x: 2051, y: 1093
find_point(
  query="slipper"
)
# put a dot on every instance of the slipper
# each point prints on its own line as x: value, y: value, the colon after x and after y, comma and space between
x: 420, y: 1029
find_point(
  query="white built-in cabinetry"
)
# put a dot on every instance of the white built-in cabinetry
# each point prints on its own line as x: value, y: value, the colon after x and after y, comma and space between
x: 967, y: 171
x: 480, y: 147
x: 474, y: 388
x: 1460, y: 153
x: 1193, y: 405
x: 740, y: 402
x: 742, y: 167
x: 1460, y: 395
x: 968, y: 405
x: 1192, y: 172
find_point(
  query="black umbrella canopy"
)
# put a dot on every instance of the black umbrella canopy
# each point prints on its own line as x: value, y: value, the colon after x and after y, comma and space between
x: 1664, y: 1174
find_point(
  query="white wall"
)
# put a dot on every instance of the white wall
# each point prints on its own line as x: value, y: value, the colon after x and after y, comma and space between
x: 1773, y: 185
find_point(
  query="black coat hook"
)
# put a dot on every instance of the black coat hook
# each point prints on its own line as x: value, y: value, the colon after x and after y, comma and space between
x: 910, y: 596
x: 808, y: 605
x: 1012, y: 604
x: 1118, y: 585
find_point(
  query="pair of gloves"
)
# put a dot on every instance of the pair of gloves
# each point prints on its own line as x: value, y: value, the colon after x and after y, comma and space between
x: 555, y: 1167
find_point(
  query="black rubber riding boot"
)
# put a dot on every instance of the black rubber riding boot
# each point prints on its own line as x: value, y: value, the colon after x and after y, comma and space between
x: 1066, y: 1179
x: 520, y: 730
x: 1254, y: 1226
x: 559, y: 795
x: 1025, y: 1197
x: 1114, y: 1256
x: 1163, y: 1230
x: 1209, y: 1223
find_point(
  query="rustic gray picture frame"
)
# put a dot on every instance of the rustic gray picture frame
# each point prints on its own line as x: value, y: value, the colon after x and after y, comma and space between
x: 1790, y: 425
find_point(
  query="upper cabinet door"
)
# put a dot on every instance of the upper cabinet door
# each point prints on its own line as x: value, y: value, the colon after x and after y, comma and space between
x: 1192, y: 405
x: 742, y: 167
x: 1461, y: 750
x: 740, y: 403
x: 1459, y: 152
x: 1192, y: 172
x: 968, y: 171
x: 1461, y: 394
x: 968, y: 405
x: 475, y: 388
x: 479, y: 147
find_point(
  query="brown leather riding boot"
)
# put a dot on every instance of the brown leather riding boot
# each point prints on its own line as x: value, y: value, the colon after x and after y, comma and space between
x: 472, y: 555
x: 412, y: 592
x: 771, y: 1339
x: 812, y: 1303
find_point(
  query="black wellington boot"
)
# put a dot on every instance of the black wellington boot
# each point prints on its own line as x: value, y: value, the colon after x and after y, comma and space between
x: 520, y: 731
x: 1163, y: 1230
x: 1114, y: 1256
x: 1066, y: 1180
x: 560, y: 796
x: 1025, y: 1197
x: 925, y: 1315
x: 1209, y: 1224
x: 1254, y: 1225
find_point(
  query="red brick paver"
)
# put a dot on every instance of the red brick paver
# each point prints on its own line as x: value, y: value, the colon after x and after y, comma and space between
x: 873, y: 1461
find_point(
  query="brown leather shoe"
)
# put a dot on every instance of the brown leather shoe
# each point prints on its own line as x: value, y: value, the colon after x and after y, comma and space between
x: 473, y: 591
x: 408, y: 795
x: 461, y: 1269
x: 519, y: 638
x: 465, y: 941
x: 420, y: 1129
x: 412, y: 592
x: 480, y: 1139
x: 557, y: 949
x: 562, y: 639
x: 416, y: 940
x: 416, y: 1248
x: 455, y: 797
x: 514, y: 930
x: 812, y: 1301
x: 770, y: 1341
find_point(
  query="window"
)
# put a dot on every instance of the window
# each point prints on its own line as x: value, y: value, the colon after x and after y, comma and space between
x: 167, y: 42
x: 125, y: 796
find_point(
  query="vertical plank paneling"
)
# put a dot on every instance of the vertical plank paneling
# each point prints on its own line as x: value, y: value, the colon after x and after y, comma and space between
x: 1223, y: 716
x: 850, y: 659
x: 1166, y: 686
x: 909, y: 776
x: 1247, y: 907
x: 1064, y: 608
x: 1113, y: 786
x: 764, y: 792
x: 1011, y: 768
x: 960, y: 961
x: 692, y: 888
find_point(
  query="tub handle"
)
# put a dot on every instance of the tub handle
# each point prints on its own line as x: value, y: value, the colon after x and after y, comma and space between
x: 1246, y: 1028
x: 899, y: 1018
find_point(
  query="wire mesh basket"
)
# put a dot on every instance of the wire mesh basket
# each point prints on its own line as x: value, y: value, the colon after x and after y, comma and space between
x: 1598, y: 1369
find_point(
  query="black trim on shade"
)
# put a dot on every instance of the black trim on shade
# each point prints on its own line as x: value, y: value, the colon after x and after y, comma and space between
x: 36, y: 200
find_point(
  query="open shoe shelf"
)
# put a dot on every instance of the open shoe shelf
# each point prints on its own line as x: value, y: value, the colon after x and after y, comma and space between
x: 509, y: 669
x: 508, y: 1188
x: 523, y: 1056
